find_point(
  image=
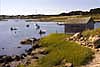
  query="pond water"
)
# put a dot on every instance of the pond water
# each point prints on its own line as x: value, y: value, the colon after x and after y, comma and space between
x: 97, y: 25
x: 10, y: 39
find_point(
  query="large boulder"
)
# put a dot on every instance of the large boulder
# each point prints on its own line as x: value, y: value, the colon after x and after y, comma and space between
x: 76, y: 36
x: 29, y: 41
x: 39, y: 51
x: 95, y: 40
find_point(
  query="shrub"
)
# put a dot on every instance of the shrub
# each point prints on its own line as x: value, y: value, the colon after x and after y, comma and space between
x: 60, y: 49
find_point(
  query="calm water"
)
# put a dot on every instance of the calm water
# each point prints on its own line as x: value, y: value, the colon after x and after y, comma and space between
x: 97, y: 25
x: 10, y: 40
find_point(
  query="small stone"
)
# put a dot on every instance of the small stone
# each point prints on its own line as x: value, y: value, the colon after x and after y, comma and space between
x: 68, y: 65
x: 97, y: 50
x: 35, y: 57
x: 7, y: 65
x: 17, y: 58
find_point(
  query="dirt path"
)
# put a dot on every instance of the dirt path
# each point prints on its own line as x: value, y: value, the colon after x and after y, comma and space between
x: 96, y: 61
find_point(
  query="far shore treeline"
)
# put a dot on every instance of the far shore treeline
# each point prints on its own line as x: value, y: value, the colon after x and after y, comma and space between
x: 92, y: 12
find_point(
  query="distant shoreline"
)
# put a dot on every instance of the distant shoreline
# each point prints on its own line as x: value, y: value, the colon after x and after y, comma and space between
x: 94, y: 13
x: 51, y: 18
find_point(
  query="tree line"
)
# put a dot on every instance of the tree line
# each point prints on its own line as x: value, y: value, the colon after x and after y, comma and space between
x: 91, y: 12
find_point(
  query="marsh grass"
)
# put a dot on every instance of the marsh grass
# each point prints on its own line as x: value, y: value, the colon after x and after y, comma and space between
x: 95, y: 17
x: 93, y: 32
x: 60, y: 49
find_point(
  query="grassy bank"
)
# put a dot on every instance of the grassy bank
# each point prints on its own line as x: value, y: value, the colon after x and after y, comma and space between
x: 96, y: 17
x: 60, y: 50
x: 93, y: 32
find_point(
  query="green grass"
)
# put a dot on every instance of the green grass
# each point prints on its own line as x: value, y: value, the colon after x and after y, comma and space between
x: 60, y: 49
x: 96, y: 17
x: 93, y: 32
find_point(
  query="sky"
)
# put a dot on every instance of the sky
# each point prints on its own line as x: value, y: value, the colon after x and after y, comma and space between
x: 29, y: 7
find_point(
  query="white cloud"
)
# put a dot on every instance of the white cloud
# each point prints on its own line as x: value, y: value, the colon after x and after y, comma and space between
x: 45, y: 6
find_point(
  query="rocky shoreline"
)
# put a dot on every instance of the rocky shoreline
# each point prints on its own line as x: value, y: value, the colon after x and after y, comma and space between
x: 32, y: 54
x: 92, y: 42
x: 37, y: 52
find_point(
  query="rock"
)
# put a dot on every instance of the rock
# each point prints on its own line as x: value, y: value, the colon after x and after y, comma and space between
x: 29, y: 41
x: 90, y: 39
x: 63, y: 61
x: 33, y: 52
x: 14, y: 57
x: 93, y: 39
x: 96, y: 41
x: 68, y: 65
x: 28, y: 62
x: 1, y: 56
x: 38, y: 56
x: 17, y: 58
x: 39, y: 51
x: 67, y: 39
x: 26, y: 41
x: 1, y: 61
x: 85, y: 38
x: 2, y: 64
x: 81, y: 39
x: 29, y: 51
x: 24, y: 55
x: 97, y: 50
x: 36, y: 46
x: 76, y: 36
x: 90, y: 45
x: 8, y: 59
x: 97, y: 44
x: 4, y: 56
x: 7, y: 65
x: 28, y: 57
x: 35, y: 57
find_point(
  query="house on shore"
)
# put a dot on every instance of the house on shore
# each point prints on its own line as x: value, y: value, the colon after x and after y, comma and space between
x: 74, y: 25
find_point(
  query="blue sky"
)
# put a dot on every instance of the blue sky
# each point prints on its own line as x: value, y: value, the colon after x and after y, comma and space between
x: 24, y: 7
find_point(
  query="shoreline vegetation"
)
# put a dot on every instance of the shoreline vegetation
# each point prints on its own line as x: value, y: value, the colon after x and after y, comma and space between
x: 63, y: 50
x: 59, y: 50
x: 96, y: 18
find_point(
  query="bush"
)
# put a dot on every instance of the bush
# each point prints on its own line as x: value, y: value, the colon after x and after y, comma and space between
x: 60, y: 49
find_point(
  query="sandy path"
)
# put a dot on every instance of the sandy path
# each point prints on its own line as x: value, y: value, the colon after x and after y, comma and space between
x: 96, y: 61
